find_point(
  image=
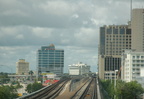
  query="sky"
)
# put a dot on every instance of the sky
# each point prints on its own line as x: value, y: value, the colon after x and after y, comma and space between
x: 72, y: 25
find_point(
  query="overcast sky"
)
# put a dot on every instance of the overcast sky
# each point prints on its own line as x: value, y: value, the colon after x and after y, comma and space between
x: 72, y: 25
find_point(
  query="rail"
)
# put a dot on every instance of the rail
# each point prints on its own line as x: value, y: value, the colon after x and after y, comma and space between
x: 42, y: 92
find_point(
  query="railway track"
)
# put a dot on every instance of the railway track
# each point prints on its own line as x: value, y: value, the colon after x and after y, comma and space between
x: 88, y: 91
x: 50, y: 92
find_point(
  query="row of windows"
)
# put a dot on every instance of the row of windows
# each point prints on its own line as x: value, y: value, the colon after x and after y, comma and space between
x: 115, y: 31
x: 120, y: 45
x: 52, y: 57
x: 46, y: 66
x: 118, y: 39
x: 110, y: 43
x: 138, y: 56
x: 138, y: 61
x: 50, y: 54
x: 115, y: 48
x: 116, y: 44
x: 118, y: 31
x: 58, y: 51
x: 51, y: 65
x: 51, y: 61
x: 138, y: 65
x: 137, y: 69
x: 120, y: 36
x: 113, y: 51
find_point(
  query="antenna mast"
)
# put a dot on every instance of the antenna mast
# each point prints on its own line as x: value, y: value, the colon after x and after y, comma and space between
x: 130, y: 10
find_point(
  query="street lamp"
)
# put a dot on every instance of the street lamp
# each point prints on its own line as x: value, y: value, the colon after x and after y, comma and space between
x: 115, y: 82
x: 115, y: 78
x: 111, y: 76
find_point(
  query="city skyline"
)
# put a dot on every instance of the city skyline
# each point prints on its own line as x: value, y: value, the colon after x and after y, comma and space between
x: 69, y: 25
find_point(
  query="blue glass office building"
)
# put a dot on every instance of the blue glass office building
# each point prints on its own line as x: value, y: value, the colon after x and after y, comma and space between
x: 50, y: 60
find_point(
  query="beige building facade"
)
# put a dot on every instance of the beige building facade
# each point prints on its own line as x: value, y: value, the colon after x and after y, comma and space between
x: 138, y: 29
x: 113, y: 39
x: 22, y: 67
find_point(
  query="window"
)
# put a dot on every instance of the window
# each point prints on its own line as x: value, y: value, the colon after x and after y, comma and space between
x: 122, y: 31
x: 115, y: 31
x: 109, y: 31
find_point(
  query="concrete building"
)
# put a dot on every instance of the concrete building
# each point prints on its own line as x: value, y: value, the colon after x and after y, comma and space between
x: 137, y: 25
x: 50, y: 60
x: 79, y: 69
x: 140, y: 79
x: 22, y: 67
x: 132, y: 63
x: 113, y: 39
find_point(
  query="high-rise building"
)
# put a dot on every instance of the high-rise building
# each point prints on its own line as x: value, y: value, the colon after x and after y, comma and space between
x: 22, y: 67
x: 137, y: 25
x: 113, y: 39
x: 50, y: 60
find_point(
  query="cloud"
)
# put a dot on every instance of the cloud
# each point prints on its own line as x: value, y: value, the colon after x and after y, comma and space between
x: 19, y: 36
x: 57, y: 7
x: 42, y: 32
x: 72, y: 25
x: 75, y: 16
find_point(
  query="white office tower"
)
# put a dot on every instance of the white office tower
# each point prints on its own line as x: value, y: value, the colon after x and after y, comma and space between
x: 132, y: 63
x: 79, y: 69
x: 138, y: 29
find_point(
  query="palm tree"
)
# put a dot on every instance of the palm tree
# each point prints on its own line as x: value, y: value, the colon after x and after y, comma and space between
x: 31, y: 73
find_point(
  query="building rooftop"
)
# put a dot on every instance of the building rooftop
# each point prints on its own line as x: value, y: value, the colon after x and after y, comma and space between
x: 79, y: 64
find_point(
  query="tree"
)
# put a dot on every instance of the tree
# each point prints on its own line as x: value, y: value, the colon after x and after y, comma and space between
x: 4, y: 78
x: 130, y: 90
x: 123, y: 90
x: 31, y: 72
x: 108, y: 85
x: 8, y: 92
x: 18, y: 85
x: 33, y: 87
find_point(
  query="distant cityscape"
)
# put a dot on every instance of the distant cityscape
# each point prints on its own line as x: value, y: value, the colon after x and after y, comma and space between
x: 50, y: 60
x: 67, y: 49
x: 50, y: 64
x: 121, y: 49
